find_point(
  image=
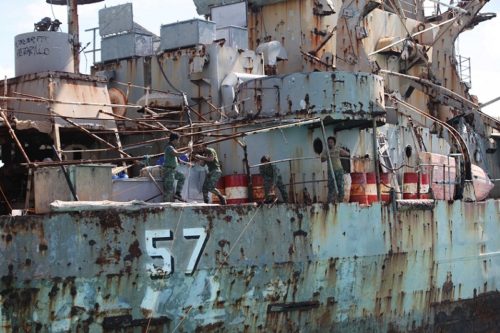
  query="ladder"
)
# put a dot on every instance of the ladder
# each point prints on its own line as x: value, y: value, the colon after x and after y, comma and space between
x: 386, y: 162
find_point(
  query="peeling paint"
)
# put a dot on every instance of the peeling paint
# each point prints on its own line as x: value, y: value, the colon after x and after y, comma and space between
x: 384, y: 264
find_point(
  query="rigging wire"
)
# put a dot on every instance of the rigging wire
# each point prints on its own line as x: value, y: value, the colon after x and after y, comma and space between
x: 458, y: 15
x: 52, y: 10
x: 221, y: 264
x: 166, y: 77
x: 144, y: 87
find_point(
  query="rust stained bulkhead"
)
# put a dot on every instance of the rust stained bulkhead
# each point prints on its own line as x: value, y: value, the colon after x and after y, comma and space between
x: 338, y: 95
x: 136, y: 71
x: 345, y: 267
x: 296, y: 26
x: 60, y: 88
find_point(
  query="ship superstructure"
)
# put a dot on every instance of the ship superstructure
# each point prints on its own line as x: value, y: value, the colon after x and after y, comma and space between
x: 411, y: 247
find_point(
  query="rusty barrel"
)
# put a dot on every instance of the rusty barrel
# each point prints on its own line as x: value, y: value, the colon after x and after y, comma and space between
x: 371, y: 187
x: 258, y: 193
x: 222, y: 189
x: 424, y: 186
x: 358, y: 188
x: 236, y: 189
x: 410, y: 185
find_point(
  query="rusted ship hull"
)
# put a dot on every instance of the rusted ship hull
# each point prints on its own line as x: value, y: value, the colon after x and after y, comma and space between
x: 407, y: 267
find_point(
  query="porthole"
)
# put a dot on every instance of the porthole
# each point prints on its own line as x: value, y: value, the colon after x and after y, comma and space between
x: 318, y: 146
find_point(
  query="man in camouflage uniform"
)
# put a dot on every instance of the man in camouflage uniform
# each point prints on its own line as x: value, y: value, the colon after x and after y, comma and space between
x: 170, y: 173
x: 209, y: 157
x: 335, y: 154
x: 272, y: 177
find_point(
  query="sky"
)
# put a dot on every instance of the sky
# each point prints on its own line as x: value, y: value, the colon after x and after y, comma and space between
x: 480, y: 44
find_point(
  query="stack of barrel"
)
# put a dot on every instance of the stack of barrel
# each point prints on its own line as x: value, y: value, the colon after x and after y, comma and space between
x: 235, y: 188
x: 364, y: 187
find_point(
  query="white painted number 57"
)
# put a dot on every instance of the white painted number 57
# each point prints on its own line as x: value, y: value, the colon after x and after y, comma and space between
x: 161, y: 235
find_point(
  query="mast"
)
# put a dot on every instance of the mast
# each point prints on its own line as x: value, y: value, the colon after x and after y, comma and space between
x: 73, y: 30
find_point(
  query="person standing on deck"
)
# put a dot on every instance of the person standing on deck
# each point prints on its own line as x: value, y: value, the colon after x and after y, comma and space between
x: 272, y: 177
x: 209, y: 157
x: 335, y: 154
x: 170, y: 173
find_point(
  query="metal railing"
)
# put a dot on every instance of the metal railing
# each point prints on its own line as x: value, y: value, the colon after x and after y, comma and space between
x: 446, y: 169
x: 431, y: 168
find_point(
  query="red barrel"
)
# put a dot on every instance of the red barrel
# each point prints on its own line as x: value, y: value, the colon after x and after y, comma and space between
x: 358, y: 188
x: 258, y: 193
x: 236, y: 189
x: 371, y: 187
x: 385, y: 187
x: 410, y: 185
x: 424, y: 186
x: 222, y: 189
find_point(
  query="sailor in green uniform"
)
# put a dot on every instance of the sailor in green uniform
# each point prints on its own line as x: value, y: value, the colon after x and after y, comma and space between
x: 335, y: 154
x: 170, y: 173
x: 272, y: 177
x: 209, y: 157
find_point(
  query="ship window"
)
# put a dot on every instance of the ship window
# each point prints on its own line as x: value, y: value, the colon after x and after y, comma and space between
x: 318, y: 146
